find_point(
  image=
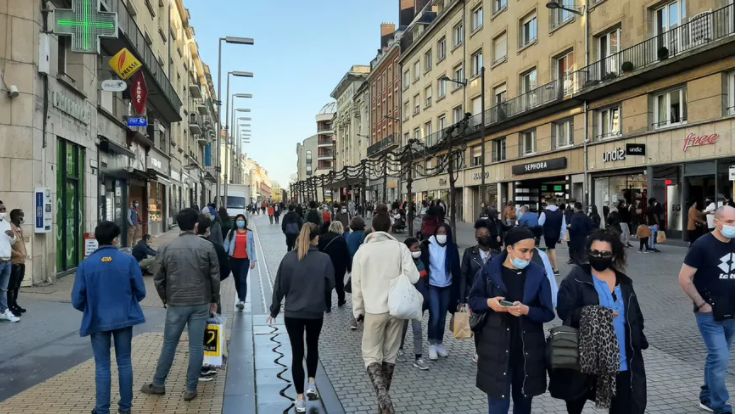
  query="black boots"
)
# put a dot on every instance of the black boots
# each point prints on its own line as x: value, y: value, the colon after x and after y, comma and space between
x: 388, y: 373
x: 381, y: 385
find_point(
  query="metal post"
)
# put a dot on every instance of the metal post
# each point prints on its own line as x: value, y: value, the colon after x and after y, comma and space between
x: 219, y: 120
x: 385, y: 178
x: 482, y: 135
x: 409, y: 181
x: 586, y: 121
x: 451, y: 175
x: 227, y: 140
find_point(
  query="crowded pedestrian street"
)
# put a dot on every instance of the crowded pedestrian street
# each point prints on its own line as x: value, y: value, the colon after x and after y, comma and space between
x: 50, y: 370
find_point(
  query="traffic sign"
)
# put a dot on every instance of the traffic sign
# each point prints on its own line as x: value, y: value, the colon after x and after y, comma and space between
x: 124, y: 64
x: 137, y: 121
x: 114, y: 85
x: 139, y: 93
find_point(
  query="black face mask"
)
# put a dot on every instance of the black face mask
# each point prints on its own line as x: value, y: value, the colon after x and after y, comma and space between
x: 484, y: 241
x: 600, y: 263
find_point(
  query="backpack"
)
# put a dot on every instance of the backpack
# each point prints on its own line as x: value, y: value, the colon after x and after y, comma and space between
x: 292, y: 228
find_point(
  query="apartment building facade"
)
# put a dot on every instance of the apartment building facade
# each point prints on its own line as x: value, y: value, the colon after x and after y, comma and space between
x: 67, y: 145
x: 620, y: 101
x: 350, y: 141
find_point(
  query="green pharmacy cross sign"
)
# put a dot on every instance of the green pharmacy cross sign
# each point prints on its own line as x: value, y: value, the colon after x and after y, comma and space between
x: 86, y: 24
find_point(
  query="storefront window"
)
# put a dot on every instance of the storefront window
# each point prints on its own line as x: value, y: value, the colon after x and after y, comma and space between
x: 609, y: 191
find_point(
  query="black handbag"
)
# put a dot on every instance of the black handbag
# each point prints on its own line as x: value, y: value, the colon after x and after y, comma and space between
x: 562, y: 348
x: 477, y: 320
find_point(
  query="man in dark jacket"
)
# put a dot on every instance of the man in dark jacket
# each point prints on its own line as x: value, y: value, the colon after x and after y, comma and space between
x: 313, y: 216
x: 142, y: 251
x: 187, y: 279
x: 554, y: 226
x: 291, y: 225
x: 580, y: 228
x: 108, y: 288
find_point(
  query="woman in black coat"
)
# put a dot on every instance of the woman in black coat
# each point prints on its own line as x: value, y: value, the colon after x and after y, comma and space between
x: 510, y: 341
x: 333, y: 243
x: 603, y: 283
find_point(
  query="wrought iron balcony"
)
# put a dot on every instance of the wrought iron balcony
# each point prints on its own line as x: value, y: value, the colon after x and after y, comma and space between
x: 195, y: 126
x: 383, y: 145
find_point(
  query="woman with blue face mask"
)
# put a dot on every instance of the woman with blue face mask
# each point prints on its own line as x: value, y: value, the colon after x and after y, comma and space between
x: 240, y: 246
x: 515, y: 296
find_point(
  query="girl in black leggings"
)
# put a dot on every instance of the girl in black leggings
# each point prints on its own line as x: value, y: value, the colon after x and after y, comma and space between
x: 304, y: 278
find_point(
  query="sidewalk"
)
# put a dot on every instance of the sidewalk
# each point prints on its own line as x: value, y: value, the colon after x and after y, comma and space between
x: 73, y: 389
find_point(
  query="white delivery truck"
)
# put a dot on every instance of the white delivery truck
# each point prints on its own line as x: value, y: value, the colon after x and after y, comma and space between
x: 238, y: 198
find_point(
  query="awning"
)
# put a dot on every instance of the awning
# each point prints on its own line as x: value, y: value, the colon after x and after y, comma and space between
x: 108, y: 145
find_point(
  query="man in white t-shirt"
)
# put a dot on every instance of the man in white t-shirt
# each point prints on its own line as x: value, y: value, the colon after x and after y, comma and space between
x: 710, y: 214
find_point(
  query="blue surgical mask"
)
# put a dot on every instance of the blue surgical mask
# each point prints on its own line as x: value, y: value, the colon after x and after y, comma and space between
x: 240, y: 224
x: 520, y: 263
x: 728, y: 232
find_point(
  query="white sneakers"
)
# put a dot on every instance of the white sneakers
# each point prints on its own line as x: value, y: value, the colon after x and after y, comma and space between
x: 240, y: 305
x: 433, y: 352
x: 441, y: 350
x: 8, y: 316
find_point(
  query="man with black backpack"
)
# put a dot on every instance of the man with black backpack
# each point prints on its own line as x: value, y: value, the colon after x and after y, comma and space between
x: 291, y: 225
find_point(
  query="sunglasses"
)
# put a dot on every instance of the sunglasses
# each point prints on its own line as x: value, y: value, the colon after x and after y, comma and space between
x: 601, y: 255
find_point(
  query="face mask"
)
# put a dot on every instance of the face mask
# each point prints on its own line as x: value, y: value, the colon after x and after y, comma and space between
x: 520, y: 263
x: 344, y: 210
x: 484, y: 241
x: 416, y: 255
x: 240, y: 224
x: 441, y: 238
x: 2, y: 216
x: 726, y: 231
x: 600, y: 263
x: 21, y: 220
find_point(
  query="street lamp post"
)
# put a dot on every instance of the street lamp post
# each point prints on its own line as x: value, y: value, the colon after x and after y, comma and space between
x: 228, y: 138
x: 231, y: 40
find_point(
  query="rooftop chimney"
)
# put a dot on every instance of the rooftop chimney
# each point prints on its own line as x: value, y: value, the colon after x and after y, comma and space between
x: 387, y: 32
x: 406, y: 12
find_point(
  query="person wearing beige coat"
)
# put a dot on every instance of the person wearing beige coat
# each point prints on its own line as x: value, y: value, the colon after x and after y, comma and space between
x: 380, y: 259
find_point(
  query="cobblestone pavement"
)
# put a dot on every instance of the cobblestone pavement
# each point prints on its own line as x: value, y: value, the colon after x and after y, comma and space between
x: 49, y: 367
x: 674, y: 360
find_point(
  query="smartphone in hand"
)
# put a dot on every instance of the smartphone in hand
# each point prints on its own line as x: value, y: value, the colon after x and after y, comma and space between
x: 506, y: 303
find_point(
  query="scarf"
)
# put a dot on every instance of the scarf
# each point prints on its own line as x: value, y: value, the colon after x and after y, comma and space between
x: 599, y: 352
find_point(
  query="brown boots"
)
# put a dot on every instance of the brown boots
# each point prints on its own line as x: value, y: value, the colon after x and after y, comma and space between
x: 380, y: 375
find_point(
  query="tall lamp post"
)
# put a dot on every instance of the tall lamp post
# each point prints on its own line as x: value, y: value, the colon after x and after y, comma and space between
x: 240, y: 95
x: 561, y: 5
x: 240, y: 74
x: 236, y: 41
x: 230, y: 152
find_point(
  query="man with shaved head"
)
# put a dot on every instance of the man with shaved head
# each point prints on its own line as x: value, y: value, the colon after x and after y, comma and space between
x: 707, y: 277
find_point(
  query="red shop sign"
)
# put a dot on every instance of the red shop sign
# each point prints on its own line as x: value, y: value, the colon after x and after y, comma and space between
x: 692, y: 140
x: 139, y: 93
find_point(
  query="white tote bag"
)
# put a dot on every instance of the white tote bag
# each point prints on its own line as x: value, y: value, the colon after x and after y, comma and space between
x: 404, y: 300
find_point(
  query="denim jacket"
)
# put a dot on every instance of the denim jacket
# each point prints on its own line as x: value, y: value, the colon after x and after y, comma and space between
x: 230, y: 245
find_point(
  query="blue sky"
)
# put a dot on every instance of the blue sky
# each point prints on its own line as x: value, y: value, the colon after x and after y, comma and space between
x: 302, y: 49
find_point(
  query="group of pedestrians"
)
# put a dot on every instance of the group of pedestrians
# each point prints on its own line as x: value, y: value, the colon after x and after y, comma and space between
x: 13, y: 256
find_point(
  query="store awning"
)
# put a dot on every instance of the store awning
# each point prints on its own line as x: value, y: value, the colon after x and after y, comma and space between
x: 107, y: 145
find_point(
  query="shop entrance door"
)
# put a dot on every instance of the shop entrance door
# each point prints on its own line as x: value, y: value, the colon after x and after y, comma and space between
x: 69, y: 204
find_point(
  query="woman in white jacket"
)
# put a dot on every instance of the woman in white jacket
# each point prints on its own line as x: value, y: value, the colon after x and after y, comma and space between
x: 380, y: 259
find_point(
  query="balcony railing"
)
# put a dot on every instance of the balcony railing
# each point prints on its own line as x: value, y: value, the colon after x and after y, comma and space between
x: 535, y: 98
x: 384, y: 144
x: 701, y: 30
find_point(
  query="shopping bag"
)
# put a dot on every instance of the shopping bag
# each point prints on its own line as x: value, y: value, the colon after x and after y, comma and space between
x: 661, y: 237
x: 214, y: 342
x: 404, y: 300
x: 461, y: 325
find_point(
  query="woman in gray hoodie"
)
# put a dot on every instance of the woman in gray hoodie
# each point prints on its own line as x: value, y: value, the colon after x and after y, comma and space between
x: 304, y: 277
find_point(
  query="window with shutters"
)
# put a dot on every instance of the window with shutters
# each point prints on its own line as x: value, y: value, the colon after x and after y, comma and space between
x: 528, y: 30
x: 527, y: 142
x: 498, y: 149
x: 562, y: 133
x: 476, y: 153
x: 499, y: 48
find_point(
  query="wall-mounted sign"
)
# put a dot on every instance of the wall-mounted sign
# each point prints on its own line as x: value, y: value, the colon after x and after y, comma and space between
x: 137, y: 121
x: 616, y: 155
x: 139, y: 93
x: 636, y: 149
x: 72, y: 106
x: 42, y: 207
x: 86, y: 24
x: 124, y: 64
x: 113, y: 85
x: 90, y: 244
x: 477, y: 175
x: 539, y: 166
x: 692, y: 140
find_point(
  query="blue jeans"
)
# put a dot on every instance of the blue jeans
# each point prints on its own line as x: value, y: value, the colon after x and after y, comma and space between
x: 195, y: 317
x: 522, y: 404
x: 101, y: 349
x: 653, y: 237
x: 439, y: 302
x: 4, y: 280
x: 718, y: 338
x: 240, y: 269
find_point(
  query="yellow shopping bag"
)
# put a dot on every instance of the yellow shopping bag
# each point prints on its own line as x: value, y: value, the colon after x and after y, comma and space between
x: 214, y: 342
x: 461, y: 325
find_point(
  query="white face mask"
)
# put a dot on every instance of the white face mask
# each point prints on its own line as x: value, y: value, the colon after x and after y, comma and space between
x: 2, y: 216
x: 416, y: 255
x: 441, y: 238
x: 344, y: 210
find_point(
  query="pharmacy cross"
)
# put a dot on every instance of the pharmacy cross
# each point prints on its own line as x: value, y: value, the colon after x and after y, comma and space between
x: 86, y: 24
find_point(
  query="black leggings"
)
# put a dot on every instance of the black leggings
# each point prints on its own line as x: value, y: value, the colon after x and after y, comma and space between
x: 620, y: 404
x: 340, y: 289
x: 644, y: 244
x: 295, y: 327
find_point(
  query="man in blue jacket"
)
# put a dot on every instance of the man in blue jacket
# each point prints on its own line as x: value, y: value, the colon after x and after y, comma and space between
x: 107, y: 289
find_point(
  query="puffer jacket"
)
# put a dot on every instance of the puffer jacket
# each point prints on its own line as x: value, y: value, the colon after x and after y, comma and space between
x: 187, y: 272
x: 493, y: 340
x: 578, y: 291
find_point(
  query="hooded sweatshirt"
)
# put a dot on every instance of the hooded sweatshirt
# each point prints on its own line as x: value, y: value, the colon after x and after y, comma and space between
x: 380, y: 259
